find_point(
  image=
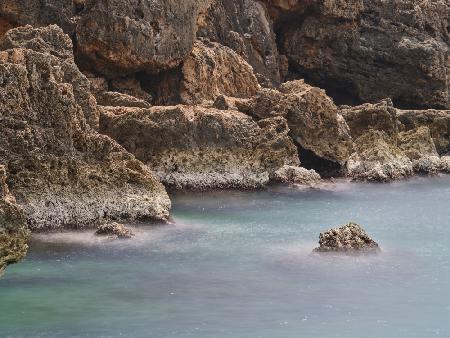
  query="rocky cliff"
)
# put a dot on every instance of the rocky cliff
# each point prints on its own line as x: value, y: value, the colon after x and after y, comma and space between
x: 106, y: 103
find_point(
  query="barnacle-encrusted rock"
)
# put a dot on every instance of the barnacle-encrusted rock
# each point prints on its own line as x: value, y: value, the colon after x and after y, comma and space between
x: 14, y: 233
x: 114, y: 230
x: 61, y: 171
x: 199, y: 148
x: 349, y: 238
x: 212, y: 70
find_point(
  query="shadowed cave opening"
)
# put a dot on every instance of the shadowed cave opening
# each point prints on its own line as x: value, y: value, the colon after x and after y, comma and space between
x: 324, y: 167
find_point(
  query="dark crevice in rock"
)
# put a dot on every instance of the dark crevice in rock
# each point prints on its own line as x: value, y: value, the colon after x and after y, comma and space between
x: 164, y: 87
x: 324, y: 167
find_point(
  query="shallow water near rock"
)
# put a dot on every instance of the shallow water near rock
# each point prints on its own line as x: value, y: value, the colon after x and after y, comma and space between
x: 239, y: 264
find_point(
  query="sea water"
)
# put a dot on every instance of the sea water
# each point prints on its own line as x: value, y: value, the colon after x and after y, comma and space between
x: 239, y: 264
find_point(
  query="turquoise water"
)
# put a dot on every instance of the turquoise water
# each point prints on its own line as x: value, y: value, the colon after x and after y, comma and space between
x: 238, y: 264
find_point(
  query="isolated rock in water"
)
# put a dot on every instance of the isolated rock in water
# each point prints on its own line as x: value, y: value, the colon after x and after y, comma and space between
x: 367, y: 50
x: 418, y: 145
x: 438, y: 121
x: 245, y: 27
x: 118, y: 37
x: 199, y: 148
x: 377, y: 158
x: 346, y: 238
x: 61, y: 171
x: 114, y: 230
x: 212, y: 70
x: 314, y: 121
x: 297, y: 175
x: 14, y: 233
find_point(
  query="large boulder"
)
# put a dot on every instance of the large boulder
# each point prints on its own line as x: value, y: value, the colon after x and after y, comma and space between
x: 212, y: 70
x: 14, y: 233
x: 194, y: 147
x: 349, y: 238
x: 120, y: 37
x: 367, y: 50
x: 314, y: 121
x: 245, y: 27
x: 61, y: 171
x: 438, y: 121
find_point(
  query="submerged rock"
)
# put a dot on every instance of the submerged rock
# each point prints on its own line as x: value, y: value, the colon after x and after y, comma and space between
x: 14, y: 233
x: 346, y: 238
x: 114, y: 230
x: 60, y: 169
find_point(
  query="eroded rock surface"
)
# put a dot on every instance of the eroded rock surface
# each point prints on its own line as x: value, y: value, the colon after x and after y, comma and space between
x: 198, y: 148
x: 297, y: 175
x: 245, y: 27
x: 61, y: 171
x: 212, y: 70
x: 121, y: 37
x: 349, y: 238
x: 14, y: 233
x: 314, y: 120
x: 367, y: 50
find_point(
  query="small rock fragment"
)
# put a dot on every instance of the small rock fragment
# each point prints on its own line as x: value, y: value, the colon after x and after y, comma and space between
x: 114, y: 230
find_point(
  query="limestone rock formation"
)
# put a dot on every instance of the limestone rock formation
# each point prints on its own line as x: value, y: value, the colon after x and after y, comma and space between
x: 193, y: 147
x: 122, y: 37
x: 438, y: 121
x: 61, y: 171
x: 297, y: 175
x: 349, y: 238
x: 114, y: 230
x: 367, y: 50
x: 314, y: 120
x: 14, y: 233
x: 212, y: 70
x: 377, y: 158
x: 245, y: 27
x: 418, y: 145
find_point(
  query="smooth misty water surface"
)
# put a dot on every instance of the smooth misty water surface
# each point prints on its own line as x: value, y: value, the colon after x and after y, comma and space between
x: 238, y: 264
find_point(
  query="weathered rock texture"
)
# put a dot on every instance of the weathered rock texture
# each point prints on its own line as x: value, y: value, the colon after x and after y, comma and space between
x: 199, y: 148
x: 314, y: 121
x: 13, y: 227
x: 121, y: 37
x: 212, y: 70
x: 244, y: 26
x: 114, y: 230
x: 349, y: 238
x: 438, y: 121
x: 61, y: 171
x: 367, y: 50
x: 297, y: 175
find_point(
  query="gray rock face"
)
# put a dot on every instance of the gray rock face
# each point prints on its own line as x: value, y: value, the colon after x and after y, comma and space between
x: 61, y: 171
x: 349, y: 238
x: 14, y: 233
x: 121, y: 37
x: 245, y: 27
x: 193, y: 147
x: 367, y: 50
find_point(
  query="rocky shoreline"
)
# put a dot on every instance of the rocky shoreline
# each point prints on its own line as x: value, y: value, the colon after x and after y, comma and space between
x: 106, y: 104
